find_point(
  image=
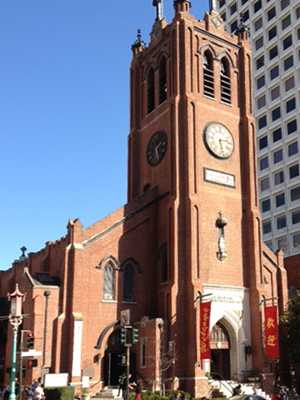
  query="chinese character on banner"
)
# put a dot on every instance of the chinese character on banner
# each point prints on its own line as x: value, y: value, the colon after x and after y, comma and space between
x: 272, y: 348
x: 204, y: 330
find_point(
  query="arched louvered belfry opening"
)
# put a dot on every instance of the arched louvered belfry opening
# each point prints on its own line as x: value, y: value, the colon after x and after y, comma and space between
x: 225, y: 81
x: 150, y: 90
x: 162, y: 80
x: 208, y: 74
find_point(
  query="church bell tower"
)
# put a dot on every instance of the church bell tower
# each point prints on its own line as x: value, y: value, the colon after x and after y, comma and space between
x: 192, y: 139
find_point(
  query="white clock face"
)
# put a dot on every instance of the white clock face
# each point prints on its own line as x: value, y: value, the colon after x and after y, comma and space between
x: 219, y: 140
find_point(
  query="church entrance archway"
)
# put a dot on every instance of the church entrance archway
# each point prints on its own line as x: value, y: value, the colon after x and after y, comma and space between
x: 112, y: 369
x: 220, y: 352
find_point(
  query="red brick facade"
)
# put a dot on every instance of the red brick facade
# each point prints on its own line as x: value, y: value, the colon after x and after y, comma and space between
x: 156, y: 255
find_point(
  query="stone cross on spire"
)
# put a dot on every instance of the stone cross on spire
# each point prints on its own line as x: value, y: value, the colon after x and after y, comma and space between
x: 159, y: 8
x: 212, y: 5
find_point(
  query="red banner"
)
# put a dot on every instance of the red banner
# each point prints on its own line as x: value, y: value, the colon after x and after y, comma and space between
x: 204, y: 330
x: 272, y: 348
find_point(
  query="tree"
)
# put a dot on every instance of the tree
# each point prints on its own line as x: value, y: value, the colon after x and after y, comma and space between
x: 291, y: 321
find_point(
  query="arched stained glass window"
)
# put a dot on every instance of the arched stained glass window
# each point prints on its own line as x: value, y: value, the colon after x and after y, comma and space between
x: 129, y: 283
x: 109, y: 282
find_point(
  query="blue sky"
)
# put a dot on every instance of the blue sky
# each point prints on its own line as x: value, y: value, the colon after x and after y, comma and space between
x: 64, y: 113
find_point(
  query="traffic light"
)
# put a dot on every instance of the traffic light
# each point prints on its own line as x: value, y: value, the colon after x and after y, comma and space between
x: 122, y: 359
x: 134, y: 336
x: 122, y: 336
x: 32, y: 363
x: 30, y: 340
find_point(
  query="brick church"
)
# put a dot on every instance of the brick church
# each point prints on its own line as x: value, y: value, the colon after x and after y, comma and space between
x: 190, y: 232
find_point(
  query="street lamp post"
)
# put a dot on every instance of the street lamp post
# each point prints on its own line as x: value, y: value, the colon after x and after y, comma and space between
x: 46, y: 294
x: 15, y: 318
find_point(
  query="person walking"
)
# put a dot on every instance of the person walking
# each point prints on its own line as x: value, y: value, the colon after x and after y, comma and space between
x: 138, y: 389
x: 38, y: 393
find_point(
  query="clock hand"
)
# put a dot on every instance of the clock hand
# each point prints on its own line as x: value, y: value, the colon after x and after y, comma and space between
x: 156, y: 152
x: 221, y: 145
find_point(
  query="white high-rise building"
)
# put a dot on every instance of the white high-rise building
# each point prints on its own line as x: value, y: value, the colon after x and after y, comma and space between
x: 274, y: 27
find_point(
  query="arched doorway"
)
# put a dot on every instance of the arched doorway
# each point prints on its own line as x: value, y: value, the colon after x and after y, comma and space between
x: 220, y: 351
x: 112, y: 367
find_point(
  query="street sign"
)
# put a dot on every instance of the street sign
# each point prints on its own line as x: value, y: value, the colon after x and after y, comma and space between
x: 31, y: 353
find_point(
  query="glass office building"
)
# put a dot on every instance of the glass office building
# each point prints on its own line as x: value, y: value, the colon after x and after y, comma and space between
x: 274, y: 27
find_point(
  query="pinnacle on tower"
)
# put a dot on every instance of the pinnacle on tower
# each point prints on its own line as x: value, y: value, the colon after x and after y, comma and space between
x: 139, y: 44
x: 159, y: 9
x: 182, y: 6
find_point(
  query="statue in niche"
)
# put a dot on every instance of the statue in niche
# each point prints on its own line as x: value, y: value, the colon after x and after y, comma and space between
x: 221, y: 222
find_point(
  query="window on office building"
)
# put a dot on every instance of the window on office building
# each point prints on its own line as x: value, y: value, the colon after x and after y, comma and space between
x: 260, y: 62
x: 289, y: 83
x: 266, y: 205
x: 262, y: 122
x: 294, y: 171
x: 246, y: 15
x: 280, y: 199
x: 259, y: 43
x: 263, y: 142
x: 288, y: 63
x: 278, y: 156
x: 258, y: 24
x: 281, y: 222
x: 296, y: 217
x: 292, y: 126
x: 269, y: 244
x: 271, y: 13
x: 287, y: 42
x: 233, y: 27
x: 264, y: 184
x: 279, y: 177
x: 273, y: 52
x: 257, y: 6
x: 293, y: 148
x: 282, y: 244
x: 296, y: 241
x: 291, y: 105
x: 286, y: 22
x: 244, y: 2
x: 267, y: 227
x: 298, y: 12
x: 277, y: 135
x: 221, y: 3
x: 276, y: 114
x: 272, y: 32
x: 295, y: 193
x: 223, y: 16
x: 260, y: 82
x: 275, y: 93
x: 284, y: 4
x: 274, y: 72
x: 233, y: 9
x: 261, y: 102
x: 264, y: 163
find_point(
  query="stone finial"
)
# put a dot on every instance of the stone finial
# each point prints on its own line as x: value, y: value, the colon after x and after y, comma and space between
x: 138, y: 45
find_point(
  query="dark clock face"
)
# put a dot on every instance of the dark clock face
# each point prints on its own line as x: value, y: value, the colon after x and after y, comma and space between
x: 156, y: 148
